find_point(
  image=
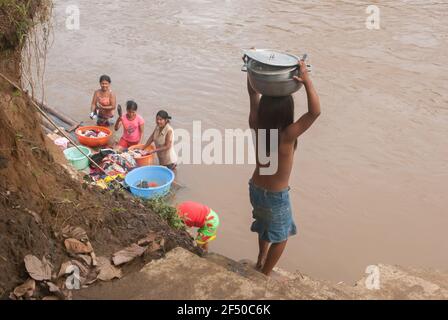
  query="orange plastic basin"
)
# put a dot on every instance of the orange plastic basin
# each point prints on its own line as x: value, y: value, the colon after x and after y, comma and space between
x: 144, y: 160
x: 90, y: 141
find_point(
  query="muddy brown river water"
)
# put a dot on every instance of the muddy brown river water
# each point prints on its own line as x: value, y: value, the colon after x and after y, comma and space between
x: 370, y: 180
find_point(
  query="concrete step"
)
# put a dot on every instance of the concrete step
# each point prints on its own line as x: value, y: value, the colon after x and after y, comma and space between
x: 396, y: 282
x: 183, y: 275
x: 291, y: 286
x: 180, y: 275
x: 244, y: 268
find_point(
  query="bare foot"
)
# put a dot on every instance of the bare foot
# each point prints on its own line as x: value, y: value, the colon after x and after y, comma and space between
x: 260, y: 263
x: 250, y: 264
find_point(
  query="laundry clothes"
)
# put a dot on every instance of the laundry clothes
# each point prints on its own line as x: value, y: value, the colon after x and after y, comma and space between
x: 98, y: 157
x: 112, y: 164
x: 118, y: 163
x: 107, y: 182
x: 137, y: 153
x: 93, y: 134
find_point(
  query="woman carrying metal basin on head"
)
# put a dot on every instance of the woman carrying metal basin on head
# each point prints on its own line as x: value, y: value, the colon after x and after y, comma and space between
x: 272, y: 78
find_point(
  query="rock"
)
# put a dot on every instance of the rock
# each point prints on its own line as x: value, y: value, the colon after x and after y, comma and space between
x: 75, y: 233
x: 56, y: 291
x: 154, y: 247
x: 38, y: 270
x: 52, y: 287
x: 50, y: 298
x: 107, y: 271
x: 128, y: 254
x: 75, y: 246
x: 147, y: 240
x: 69, y: 266
x: 93, y: 257
x: 86, y: 259
x: 81, y: 274
x: 64, y: 269
x: 26, y: 289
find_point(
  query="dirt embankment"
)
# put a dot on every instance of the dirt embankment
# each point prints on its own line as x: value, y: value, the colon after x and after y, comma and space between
x: 38, y: 197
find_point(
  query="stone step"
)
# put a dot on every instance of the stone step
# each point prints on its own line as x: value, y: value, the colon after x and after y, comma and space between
x: 244, y: 268
x: 292, y: 285
x: 182, y: 275
x: 397, y: 282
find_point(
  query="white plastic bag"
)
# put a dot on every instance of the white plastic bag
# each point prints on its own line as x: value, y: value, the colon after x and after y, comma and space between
x: 62, y: 143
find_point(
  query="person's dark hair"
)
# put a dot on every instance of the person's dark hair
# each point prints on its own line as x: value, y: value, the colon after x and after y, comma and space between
x: 131, y: 105
x: 105, y: 78
x: 275, y: 113
x: 163, y: 114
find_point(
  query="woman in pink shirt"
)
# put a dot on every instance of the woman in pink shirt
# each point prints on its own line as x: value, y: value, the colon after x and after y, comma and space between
x: 133, y: 126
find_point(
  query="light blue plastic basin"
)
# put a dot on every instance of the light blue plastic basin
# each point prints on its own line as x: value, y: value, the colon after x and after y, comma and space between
x: 161, y: 175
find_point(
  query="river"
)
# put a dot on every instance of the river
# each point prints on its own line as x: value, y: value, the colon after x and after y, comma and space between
x: 370, y: 179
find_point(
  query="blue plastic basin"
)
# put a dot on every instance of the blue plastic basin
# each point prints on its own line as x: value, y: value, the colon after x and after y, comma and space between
x: 161, y: 175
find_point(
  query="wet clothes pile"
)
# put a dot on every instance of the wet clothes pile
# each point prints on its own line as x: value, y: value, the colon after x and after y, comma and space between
x: 137, y: 153
x: 108, y: 182
x: 93, y: 134
x: 112, y: 163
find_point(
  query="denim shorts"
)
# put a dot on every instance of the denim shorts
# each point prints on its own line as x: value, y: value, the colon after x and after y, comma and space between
x: 272, y: 213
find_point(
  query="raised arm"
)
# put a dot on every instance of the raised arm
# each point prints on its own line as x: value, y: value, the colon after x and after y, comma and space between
x: 254, y: 102
x: 117, y: 124
x: 305, y: 121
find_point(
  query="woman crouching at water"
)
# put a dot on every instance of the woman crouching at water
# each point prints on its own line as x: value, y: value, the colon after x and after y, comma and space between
x: 269, y: 194
x: 103, y: 103
x: 163, y: 140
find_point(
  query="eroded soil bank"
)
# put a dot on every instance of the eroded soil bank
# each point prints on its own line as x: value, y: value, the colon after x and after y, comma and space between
x: 39, y: 197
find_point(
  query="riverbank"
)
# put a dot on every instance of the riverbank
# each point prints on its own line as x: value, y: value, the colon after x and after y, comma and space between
x: 40, y: 194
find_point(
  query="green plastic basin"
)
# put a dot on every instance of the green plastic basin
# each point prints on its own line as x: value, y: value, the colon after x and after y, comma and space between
x: 76, y: 158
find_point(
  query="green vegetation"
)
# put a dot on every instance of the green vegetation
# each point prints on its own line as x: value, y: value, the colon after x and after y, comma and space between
x: 166, y: 211
x: 17, y: 18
